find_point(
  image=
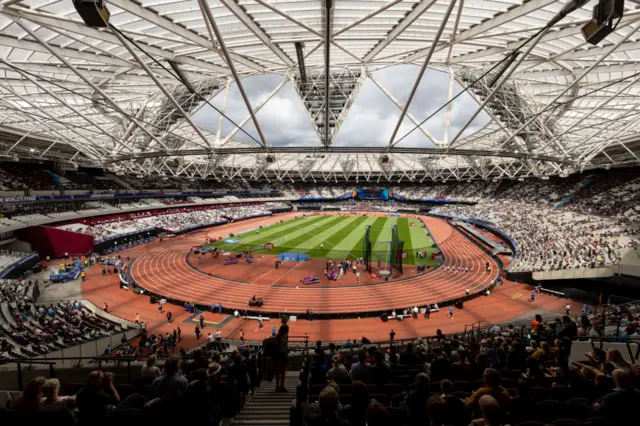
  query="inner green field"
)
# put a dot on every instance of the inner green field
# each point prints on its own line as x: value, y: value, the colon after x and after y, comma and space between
x: 334, y: 237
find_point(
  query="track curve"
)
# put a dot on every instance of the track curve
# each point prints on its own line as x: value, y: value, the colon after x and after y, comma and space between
x: 163, y: 270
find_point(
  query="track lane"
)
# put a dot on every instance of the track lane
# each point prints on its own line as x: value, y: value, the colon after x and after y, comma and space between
x: 164, y: 271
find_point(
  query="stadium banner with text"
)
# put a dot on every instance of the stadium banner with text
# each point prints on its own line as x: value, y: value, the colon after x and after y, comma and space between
x: 35, y: 198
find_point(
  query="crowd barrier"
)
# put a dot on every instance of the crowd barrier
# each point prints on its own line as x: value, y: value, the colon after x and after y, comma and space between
x: 67, y: 276
x: 296, y: 257
x: 485, y: 225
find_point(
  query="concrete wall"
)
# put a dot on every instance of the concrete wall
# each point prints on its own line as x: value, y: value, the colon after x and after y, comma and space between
x: 18, y: 245
x: 578, y: 349
x: 571, y: 274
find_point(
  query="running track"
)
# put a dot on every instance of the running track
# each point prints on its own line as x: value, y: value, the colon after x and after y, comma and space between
x: 163, y: 270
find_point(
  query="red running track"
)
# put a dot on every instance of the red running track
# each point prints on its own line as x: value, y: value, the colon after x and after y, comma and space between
x: 163, y: 270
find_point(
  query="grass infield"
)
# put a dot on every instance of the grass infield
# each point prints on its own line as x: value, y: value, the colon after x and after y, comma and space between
x: 334, y: 237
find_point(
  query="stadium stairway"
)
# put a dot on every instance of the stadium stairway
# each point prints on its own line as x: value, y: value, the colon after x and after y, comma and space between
x: 267, y: 407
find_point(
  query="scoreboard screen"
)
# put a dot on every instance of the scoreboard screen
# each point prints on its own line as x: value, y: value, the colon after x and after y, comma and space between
x: 373, y: 194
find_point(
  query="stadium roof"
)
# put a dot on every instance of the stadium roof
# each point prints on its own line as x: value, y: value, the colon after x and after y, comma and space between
x: 123, y: 97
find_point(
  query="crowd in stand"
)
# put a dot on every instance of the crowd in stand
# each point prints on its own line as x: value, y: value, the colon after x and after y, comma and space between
x: 503, y: 379
x: 30, y: 329
x: 204, y: 389
x: 552, y: 239
x: 367, y: 205
x: 21, y: 176
x: 174, y: 222
x: 9, y: 257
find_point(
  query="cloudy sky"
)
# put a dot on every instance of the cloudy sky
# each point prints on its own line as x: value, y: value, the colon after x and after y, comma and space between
x: 370, y: 122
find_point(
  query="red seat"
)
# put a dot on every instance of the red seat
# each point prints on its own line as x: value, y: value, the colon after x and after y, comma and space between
x: 382, y: 399
x: 462, y: 385
x: 345, y: 389
x: 391, y: 389
x: 345, y: 399
x: 397, y: 399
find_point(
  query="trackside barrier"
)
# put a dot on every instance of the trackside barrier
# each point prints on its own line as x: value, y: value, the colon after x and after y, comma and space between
x: 485, y: 225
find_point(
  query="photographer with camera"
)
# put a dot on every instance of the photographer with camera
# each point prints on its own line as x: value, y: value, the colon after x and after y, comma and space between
x: 100, y: 398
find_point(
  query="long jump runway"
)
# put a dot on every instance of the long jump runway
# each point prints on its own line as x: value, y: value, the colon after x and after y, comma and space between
x: 163, y: 269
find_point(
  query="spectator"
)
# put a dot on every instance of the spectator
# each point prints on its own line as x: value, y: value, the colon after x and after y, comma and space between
x: 380, y: 372
x: 491, y: 412
x: 440, y: 367
x: 415, y: 403
x: 623, y: 402
x: 377, y: 415
x: 491, y: 387
x: 326, y: 413
x: 100, y: 397
x: 283, y: 353
x: 52, y: 401
x: 457, y: 410
x: 150, y: 370
x: 460, y: 369
x: 356, y: 412
x: 31, y: 395
x: 171, y: 385
x: 614, y: 357
x: 359, y: 369
x: 438, y: 410
x: 522, y: 406
x: 338, y: 372
x: 318, y: 369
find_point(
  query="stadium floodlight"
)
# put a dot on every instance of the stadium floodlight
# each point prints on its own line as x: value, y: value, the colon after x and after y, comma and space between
x: 93, y: 12
x: 601, y: 24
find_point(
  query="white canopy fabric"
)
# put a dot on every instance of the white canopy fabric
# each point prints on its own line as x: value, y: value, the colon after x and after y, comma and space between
x: 108, y: 96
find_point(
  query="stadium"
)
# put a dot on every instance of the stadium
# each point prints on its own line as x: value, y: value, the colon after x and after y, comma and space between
x: 406, y: 212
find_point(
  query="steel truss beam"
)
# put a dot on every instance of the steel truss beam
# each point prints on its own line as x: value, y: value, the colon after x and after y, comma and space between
x: 443, y: 152
x: 404, y: 23
x: 181, y: 31
x: 213, y: 29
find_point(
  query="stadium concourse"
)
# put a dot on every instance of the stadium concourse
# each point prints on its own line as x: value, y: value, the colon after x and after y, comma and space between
x: 162, y: 268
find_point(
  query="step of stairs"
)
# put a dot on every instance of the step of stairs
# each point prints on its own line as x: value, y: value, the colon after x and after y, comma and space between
x: 268, y: 407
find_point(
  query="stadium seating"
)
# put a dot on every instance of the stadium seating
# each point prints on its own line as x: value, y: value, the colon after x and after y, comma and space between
x: 172, y: 222
x: 9, y: 257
